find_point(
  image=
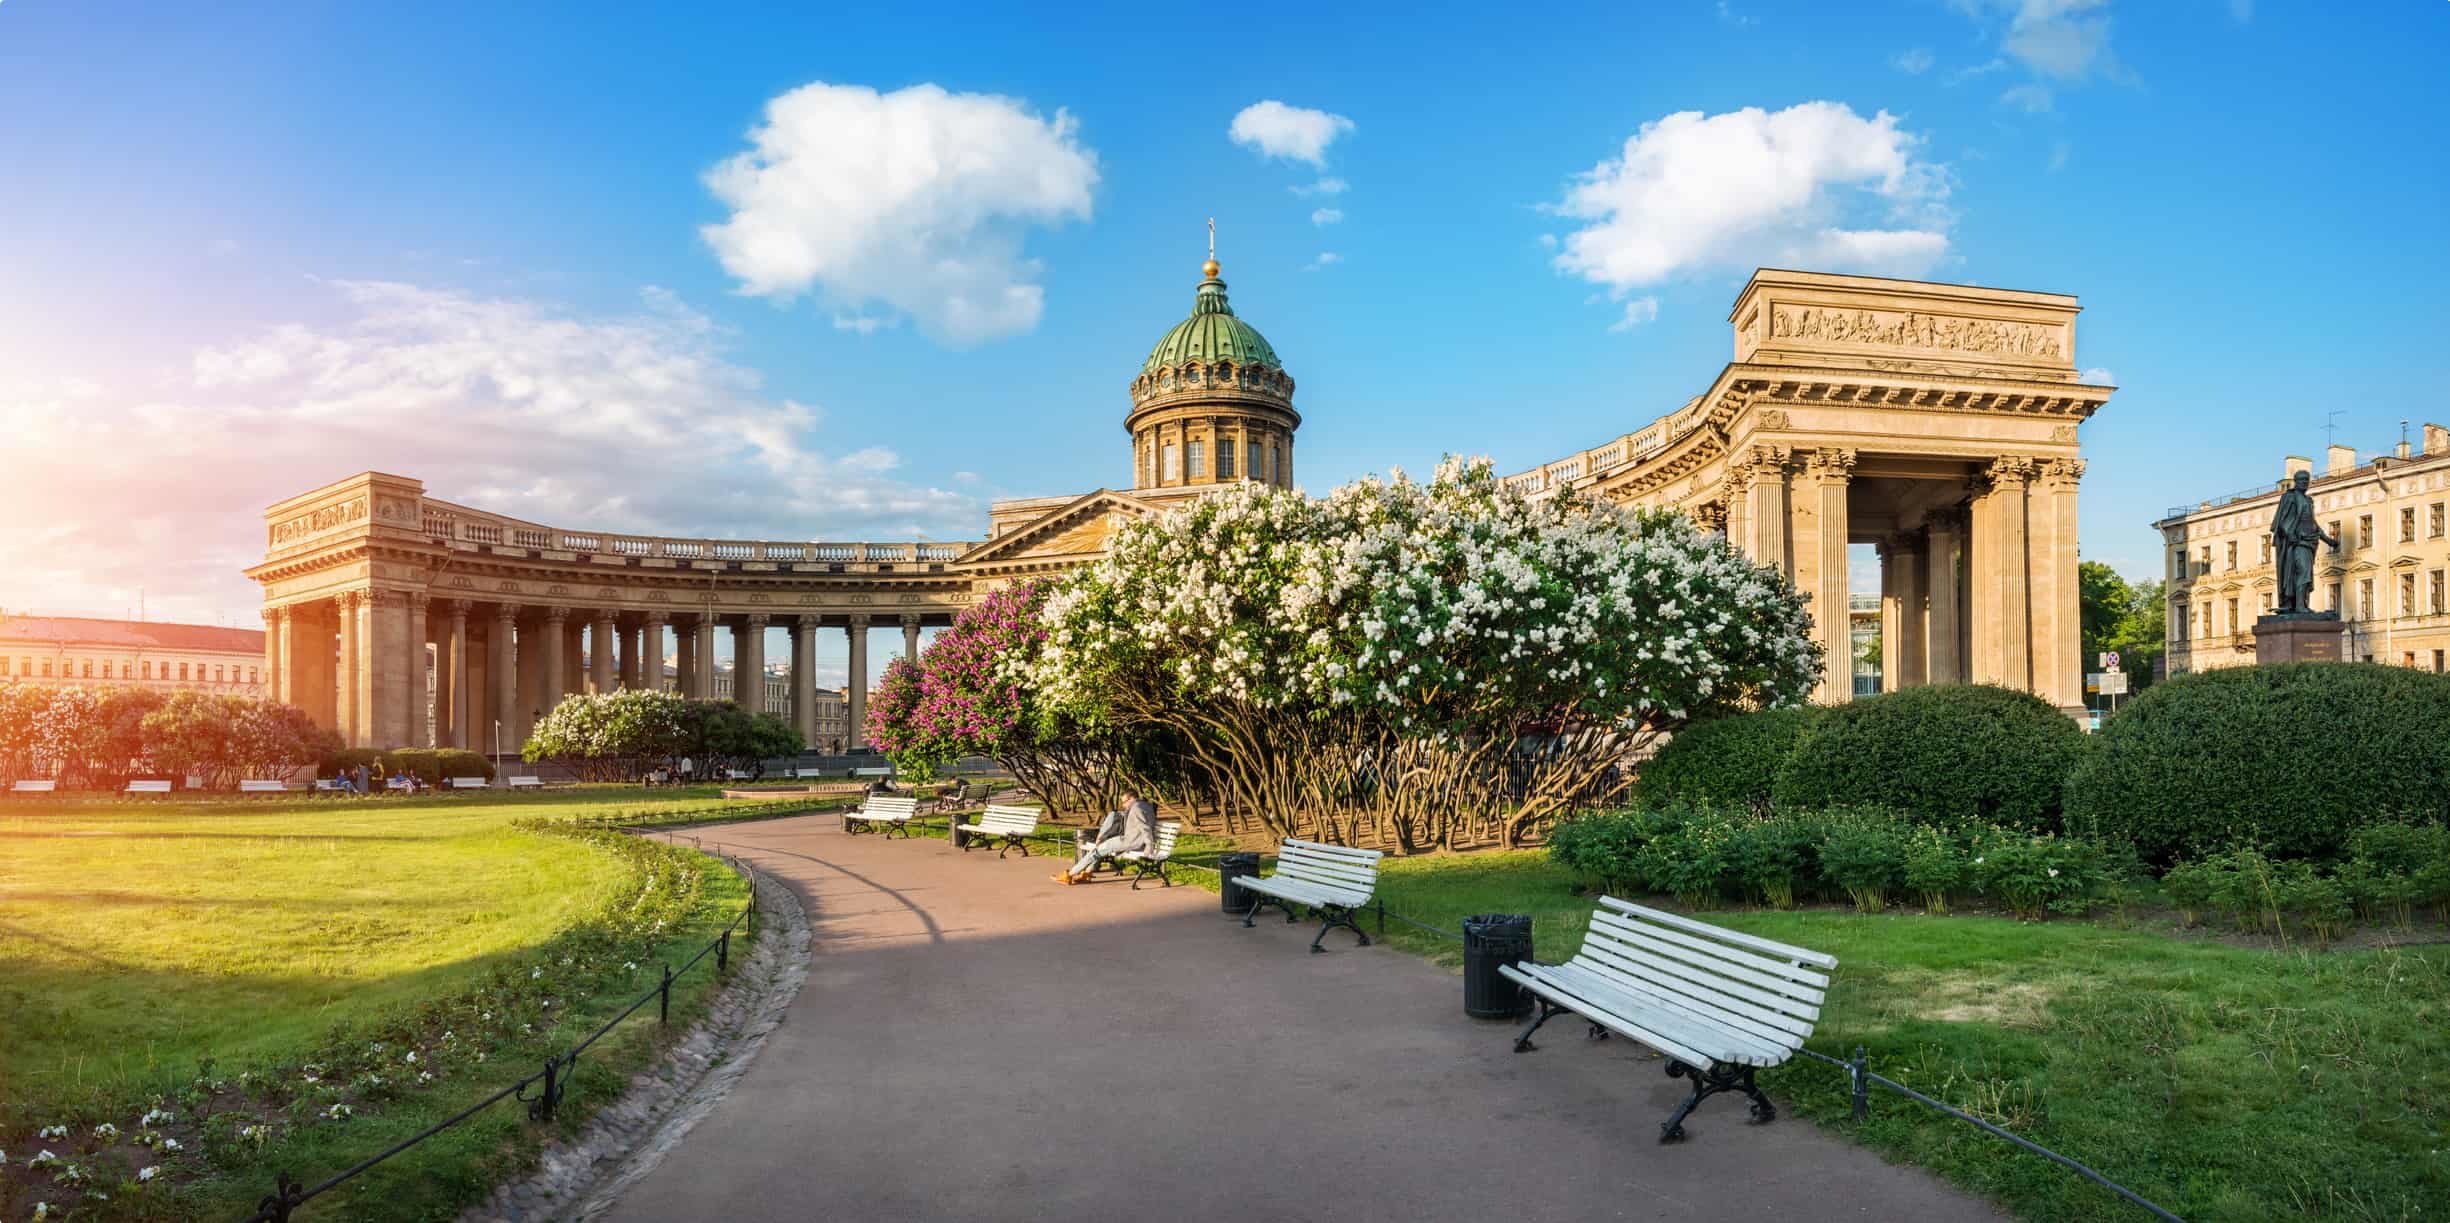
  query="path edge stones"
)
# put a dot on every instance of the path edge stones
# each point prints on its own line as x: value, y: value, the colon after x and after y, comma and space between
x: 582, y: 1178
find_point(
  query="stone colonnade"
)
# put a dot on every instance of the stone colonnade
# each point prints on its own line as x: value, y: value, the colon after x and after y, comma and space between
x: 359, y: 662
x: 1978, y: 572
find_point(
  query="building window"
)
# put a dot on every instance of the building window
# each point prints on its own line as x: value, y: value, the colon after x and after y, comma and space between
x: 1224, y: 460
x: 2335, y: 603
x: 2437, y: 524
x: 2407, y: 593
x: 1196, y: 456
x: 2204, y: 561
x: 251, y: 676
x: 2344, y: 541
x: 148, y: 669
x: 2266, y: 550
x: 89, y: 668
x: 2207, y: 620
x: 2181, y: 618
x: 46, y: 668
x: 2408, y: 659
x: 2433, y: 602
x: 2232, y: 557
x: 2232, y: 616
x: 2266, y: 605
x: 2364, y: 530
x: 1250, y: 466
x: 1147, y: 476
x: 2177, y: 564
x: 2407, y: 525
x: 4, y: 666
x: 182, y: 673
x: 1173, y: 469
x: 2437, y: 662
x: 2364, y: 600
x: 1276, y: 465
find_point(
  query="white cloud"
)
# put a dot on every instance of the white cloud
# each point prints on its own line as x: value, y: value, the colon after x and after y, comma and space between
x: 864, y: 324
x: 1325, y: 259
x: 1731, y: 17
x: 2097, y: 376
x: 1326, y: 216
x: 1329, y: 186
x: 1813, y: 186
x: 1972, y: 71
x: 1638, y: 311
x: 1295, y: 133
x: 1913, y: 62
x: 917, y: 200
x: 635, y: 423
x: 2031, y: 97
x: 2064, y: 40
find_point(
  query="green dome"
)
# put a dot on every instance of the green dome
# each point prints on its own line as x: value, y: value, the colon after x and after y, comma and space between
x: 1210, y: 335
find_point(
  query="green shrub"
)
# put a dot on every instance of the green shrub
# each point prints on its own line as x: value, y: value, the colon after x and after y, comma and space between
x: 1864, y: 854
x: 1960, y: 756
x: 1936, y: 865
x: 337, y: 761
x: 2291, y: 759
x: 1689, y: 858
x: 2316, y: 902
x: 2188, y: 885
x: 1771, y: 857
x: 2242, y: 887
x: 2038, y: 874
x: 1599, y: 848
x: 1731, y: 760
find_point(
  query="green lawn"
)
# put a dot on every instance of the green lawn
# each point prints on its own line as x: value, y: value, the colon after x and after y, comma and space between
x: 142, y: 943
x: 2225, y: 1083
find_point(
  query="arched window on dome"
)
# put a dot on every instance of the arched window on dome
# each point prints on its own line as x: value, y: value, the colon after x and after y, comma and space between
x: 1251, y: 467
x: 1173, y: 469
x: 1196, y: 455
x: 1224, y: 458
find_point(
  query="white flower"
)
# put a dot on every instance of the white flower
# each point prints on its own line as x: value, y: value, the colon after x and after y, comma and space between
x: 146, y: 1174
x: 155, y: 1117
x: 42, y: 1210
x: 2054, y: 872
x: 106, y: 1131
x: 425, y: 1076
x: 52, y: 1131
x: 412, y: 1057
x: 535, y: 974
x: 339, y: 1112
x: 171, y: 1144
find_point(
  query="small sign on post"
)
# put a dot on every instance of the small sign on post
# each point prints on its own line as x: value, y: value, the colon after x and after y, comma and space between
x: 2109, y: 660
x: 2113, y: 683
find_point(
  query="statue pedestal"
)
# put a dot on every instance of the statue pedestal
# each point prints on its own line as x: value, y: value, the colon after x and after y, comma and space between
x: 2308, y: 638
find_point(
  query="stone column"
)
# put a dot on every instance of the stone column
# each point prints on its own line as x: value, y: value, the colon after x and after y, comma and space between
x: 452, y: 709
x: 632, y: 643
x: 351, y: 683
x: 276, y: 626
x: 1819, y: 564
x: 1985, y: 661
x: 2058, y: 635
x: 1909, y: 665
x: 858, y: 732
x: 651, y: 652
x: 2013, y: 626
x: 1945, y: 579
x: 702, y: 656
x: 910, y: 637
x: 417, y: 701
x: 1892, y: 615
x: 1736, y: 493
x: 600, y: 651
x: 685, y: 657
x: 502, y: 658
x: 1766, y: 517
x: 551, y: 680
x: 749, y: 663
x: 804, y: 678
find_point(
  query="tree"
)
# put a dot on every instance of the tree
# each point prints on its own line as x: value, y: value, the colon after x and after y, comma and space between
x: 610, y: 736
x: 1437, y: 660
x: 119, y: 747
x: 2114, y: 615
x: 720, y: 736
x: 20, y: 706
x: 193, y: 734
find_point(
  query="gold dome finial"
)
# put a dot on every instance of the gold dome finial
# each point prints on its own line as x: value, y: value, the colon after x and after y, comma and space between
x: 1211, y: 268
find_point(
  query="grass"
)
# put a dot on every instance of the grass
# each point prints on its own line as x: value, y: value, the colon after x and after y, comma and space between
x: 2225, y: 1083
x: 150, y: 954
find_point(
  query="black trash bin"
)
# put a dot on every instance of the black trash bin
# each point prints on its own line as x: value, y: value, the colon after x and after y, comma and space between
x: 1229, y: 867
x: 1491, y: 940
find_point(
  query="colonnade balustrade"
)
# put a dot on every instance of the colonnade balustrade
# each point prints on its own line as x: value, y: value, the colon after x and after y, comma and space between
x: 358, y: 662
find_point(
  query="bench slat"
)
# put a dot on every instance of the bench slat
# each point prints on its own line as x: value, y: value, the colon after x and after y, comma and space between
x: 1783, y: 951
x: 1642, y: 973
x: 1802, y: 984
x: 1650, y: 1021
x: 1706, y: 953
x: 1367, y: 856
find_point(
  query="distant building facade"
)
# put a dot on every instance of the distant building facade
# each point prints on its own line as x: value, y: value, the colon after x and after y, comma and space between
x: 2387, y: 580
x: 136, y: 653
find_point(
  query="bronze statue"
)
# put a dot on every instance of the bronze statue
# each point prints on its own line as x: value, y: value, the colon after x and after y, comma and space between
x: 2293, y: 536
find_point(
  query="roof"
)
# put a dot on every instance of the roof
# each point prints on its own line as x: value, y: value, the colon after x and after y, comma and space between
x: 131, y: 634
x: 1211, y: 334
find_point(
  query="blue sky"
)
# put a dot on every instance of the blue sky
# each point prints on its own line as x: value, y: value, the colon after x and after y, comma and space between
x: 251, y: 248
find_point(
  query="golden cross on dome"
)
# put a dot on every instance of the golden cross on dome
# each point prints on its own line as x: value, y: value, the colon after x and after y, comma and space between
x: 1212, y: 237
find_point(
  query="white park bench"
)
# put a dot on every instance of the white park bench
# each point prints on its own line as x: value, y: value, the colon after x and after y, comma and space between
x: 1008, y: 826
x: 1718, y: 1004
x: 874, y: 771
x: 881, y: 813
x: 330, y: 785
x: 738, y: 775
x: 255, y: 785
x: 526, y: 783
x: 31, y: 786
x: 395, y: 783
x: 469, y: 783
x: 148, y: 787
x: 806, y: 774
x: 1145, y: 865
x: 1335, y: 881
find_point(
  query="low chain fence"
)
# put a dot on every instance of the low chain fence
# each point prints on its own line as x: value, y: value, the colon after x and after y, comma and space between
x: 549, y: 1081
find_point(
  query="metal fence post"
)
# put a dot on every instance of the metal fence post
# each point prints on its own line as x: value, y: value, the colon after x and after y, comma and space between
x: 663, y: 1009
x: 286, y: 1197
x: 1857, y: 1070
x: 542, y: 1108
x: 723, y: 951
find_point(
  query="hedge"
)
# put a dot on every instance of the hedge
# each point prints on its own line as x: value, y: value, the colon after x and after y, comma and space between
x: 430, y: 764
x: 1730, y: 760
x: 2288, y: 759
x: 1955, y: 755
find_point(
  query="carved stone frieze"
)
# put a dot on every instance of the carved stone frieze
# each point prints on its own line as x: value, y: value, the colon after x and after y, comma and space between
x: 317, y: 521
x: 1773, y: 418
x: 1916, y: 329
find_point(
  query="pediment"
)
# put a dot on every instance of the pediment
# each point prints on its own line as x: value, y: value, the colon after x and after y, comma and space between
x: 2409, y: 561
x: 1075, y: 531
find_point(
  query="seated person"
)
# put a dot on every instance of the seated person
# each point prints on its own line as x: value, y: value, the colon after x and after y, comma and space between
x: 1130, y: 830
x: 955, y: 794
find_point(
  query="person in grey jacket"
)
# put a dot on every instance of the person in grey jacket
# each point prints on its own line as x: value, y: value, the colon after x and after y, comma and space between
x: 1130, y: 830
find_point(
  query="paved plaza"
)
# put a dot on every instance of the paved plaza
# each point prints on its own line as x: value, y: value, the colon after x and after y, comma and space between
x: 976, y: 1042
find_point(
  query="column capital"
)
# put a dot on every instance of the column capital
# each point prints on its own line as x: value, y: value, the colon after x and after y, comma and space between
x: 349, y: 599
x: 606, y: 615
x: 458, y: 608
x: 505, y: 612
x: 1769, y: 462
x: 2009, y: 470
x: 655, y: 615
x: 807, y: 620
x: 274, y: 615
x: 556, y: 615
x: 417, y: 600
x: 2061, y: 473
x: 1832, y: 462
x: 859, y: 620
x: 910, y: 619
x: 757, y: 620
x: 1951, y: 518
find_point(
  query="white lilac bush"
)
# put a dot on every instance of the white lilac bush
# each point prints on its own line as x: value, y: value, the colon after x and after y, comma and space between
x: 1424, y: 657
